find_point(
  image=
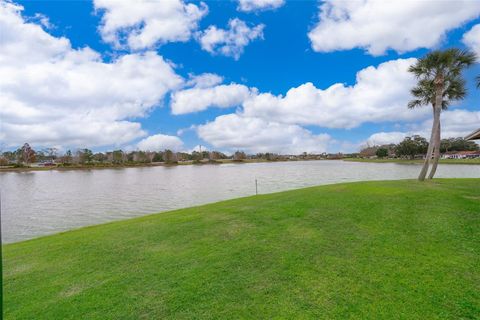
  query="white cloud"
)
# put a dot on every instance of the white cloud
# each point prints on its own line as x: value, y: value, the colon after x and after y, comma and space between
x: 377, y: 26
x: 198, y: 148
x: 234, y: 132
x: 472, y: 39
x: 204, y: 80
x: 53, y: 94
x: 379, y: 94
x: 160, y: 142
x: 455, y: 123
x: 145, y: 23
x: 43, y: 20
x: 230, y: 42
x: 259, y: 5
x: 198, y: 99
x: 381, y: 138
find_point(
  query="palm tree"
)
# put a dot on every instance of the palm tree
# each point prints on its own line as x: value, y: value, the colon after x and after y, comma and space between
x: 440, y: 81
x: 478, y: 81
x: 424, y: 94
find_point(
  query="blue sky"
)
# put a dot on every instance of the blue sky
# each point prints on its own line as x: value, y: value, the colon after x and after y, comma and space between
x: 253, y: 114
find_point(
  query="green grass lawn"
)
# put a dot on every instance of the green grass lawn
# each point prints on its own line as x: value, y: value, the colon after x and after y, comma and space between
x: 416, y: 161
x: 373, y: 250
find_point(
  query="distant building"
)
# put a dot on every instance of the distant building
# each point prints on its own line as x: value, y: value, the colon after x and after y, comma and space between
x: 461, y: 155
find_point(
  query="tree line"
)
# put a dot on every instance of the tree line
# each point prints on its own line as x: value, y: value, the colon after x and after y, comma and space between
x: 26, y: 155
x: 417, y: 147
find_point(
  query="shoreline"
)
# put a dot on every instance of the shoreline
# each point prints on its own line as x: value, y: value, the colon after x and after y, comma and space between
x: 146, y: 216
x: 229, y: 161
x: 143, y: 165
x: 416, y: 161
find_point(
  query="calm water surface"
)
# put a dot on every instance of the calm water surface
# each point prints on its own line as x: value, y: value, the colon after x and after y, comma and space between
x: 44, y: 202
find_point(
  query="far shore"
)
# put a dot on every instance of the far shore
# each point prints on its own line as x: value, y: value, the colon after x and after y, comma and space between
x: 142, y: 165
x: 413, y: 161
x: 222, y: 161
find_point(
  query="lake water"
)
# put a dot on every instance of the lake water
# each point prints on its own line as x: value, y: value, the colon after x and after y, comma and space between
x: 43, y: 202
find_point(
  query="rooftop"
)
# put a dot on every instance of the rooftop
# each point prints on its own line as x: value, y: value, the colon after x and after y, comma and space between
x: 474, y: 135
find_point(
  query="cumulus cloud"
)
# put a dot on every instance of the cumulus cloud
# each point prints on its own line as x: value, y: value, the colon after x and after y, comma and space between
x: 378, y: 26
x: 381, y: 138
x: 160, y: 142
x: 232, y: 41
x: 145, y: 23
x: 198, y: 99
x: 234, y: 132
x: 379, y: 94
x: 455, y: 123
x: 259, y: 5
x: 472, y: 39
x: 53, y: 94
x: 204, y: 80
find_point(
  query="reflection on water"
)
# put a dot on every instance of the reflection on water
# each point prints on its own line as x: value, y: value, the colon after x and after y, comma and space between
x: 44, y: 202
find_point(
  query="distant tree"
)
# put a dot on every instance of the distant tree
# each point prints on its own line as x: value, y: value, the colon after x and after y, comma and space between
x: 99, y: 157
x: 118, y: 156
x: 51, y: 153
x: 216, y: 155
x: 170, y: 157
x: 382, y: 152
x: 196, y: 156
x: 85, y: 156
x: 411, y: 146
x: 67, y: 158
x: 149, y: 155
x: 271, y: 156
x: 27, y: 154
x: 157, y: 157
x: 368, y: 151
x: 239, y: 156
x: 183, y: 156
x: 458, y: 144
x: 130, y: 156
x: 10, y: 156
x: 3, y: 159
x: 40, y: 156
x: 140, y: 156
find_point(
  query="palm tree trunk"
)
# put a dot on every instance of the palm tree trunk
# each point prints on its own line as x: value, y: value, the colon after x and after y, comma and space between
x: 436, y: 156
x: 428, y: 157
x: 437, y: 108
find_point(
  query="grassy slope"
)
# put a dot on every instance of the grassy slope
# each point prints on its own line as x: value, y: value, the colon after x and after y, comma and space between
x: 417, y: 161
x: 391, y: 250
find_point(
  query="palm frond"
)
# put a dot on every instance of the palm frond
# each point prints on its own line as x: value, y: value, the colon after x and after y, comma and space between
x: 445, y: 66
x: 415, y: 104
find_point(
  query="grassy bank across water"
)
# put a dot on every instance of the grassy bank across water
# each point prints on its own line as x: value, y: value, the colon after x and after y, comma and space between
x: 134, y: 165
x: 369, y: 250
x: 416, y: 161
